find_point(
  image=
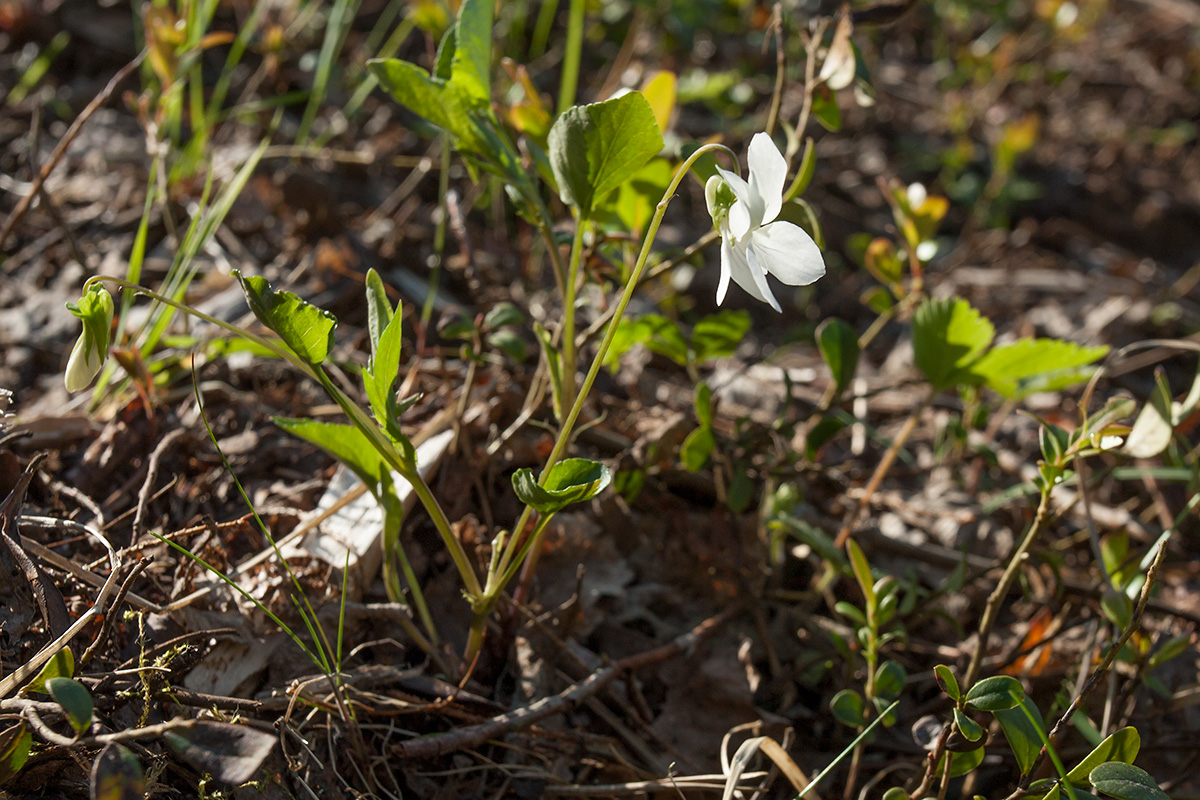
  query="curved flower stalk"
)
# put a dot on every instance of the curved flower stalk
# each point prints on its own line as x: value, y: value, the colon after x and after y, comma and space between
x: 753, y: 241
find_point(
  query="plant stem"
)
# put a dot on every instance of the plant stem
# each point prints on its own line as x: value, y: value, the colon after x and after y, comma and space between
x: 568, y: 335
x: 570, y: 68
x: 996, y: 598
x: 496, y: 576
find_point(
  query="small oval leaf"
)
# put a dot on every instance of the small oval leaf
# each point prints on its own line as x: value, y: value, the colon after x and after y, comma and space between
x: 74, y: 699
x: 889, y: 680
x: 847, y: 708
x: 995, y: 693
x: 1125, y: 782
x: 947, y: 682
x: 970, y: 729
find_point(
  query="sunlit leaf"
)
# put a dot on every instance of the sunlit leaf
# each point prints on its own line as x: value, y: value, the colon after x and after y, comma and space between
x: 696, y: 449
x: 946, y: 681
x: 1152, y: 429
x: 595, y: 148
x: 1125, y: 782
x: 719, y: 335
x: 948, y: 337
x: 15, y: 742
x: 1007, y: 369
x: 571, y: 481
x: 60, y: 665
x: 303, y: 327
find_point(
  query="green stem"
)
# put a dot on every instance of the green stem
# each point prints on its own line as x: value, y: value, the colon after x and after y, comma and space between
x: 564, y: 436
x: 994, y: 601
x: 1054, y: 759
x: 568, y: 336
x: 850, y: 747
x: 571, y: 58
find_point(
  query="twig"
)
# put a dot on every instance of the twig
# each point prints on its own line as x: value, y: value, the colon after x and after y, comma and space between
x: 107, y: 624
x: 139, y: 528
x: 474, y: 735
x: 60, y: 149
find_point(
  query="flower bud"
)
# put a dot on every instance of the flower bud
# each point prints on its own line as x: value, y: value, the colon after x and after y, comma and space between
x: 95, y: 310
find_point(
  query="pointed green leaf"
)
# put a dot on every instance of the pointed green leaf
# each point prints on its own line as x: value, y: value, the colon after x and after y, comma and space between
x: 995, y: 693
x: 1125, y: 782
x: 847, y: 708
x: 60, y: 665
x: 1007, y: 369
x: 303, y: 327
x: 948, y: 337
x: 379, y: 308
x: 571, y: 481
x: 1022, y: 736
x: 862, y: 573
x: 74, y: 699
x: 838, y: 343
x: 441, y: 102
x: 470, y: 68
x: 946, y: 681
x: 346, y: 443
x: 117, y: 774
x: 596, y: 148
x: 703, y: 404
x: 1122, y: 745
x: 502, y: 314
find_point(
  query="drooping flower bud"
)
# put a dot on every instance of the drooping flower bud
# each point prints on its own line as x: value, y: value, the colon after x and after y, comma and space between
x: 95, y: 310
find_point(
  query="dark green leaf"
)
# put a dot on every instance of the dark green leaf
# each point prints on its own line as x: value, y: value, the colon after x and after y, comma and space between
x: 1125, y: 782
x: 718, y: 335
x: 946, y: 681
x: 889, y: 680
x: 231, y: 753
x: 502, y: 314
x: 571, y: 481
x: 1022, y: 736
x: 838, y: 343
x: 948, y: 337
x: 1174, y: 647
x: 74, y: 699
x: 117, y: 774
x: 820, y: 434
x: 741, y: 490
x: 847, y: 708
x: 596, y: 148
x: 971, y: 730
x: 304, y: 328
x: 704, y: 404
x: 896, y: 793
x: 60, y: 665
x: 995, y: 693
x: 825, y: 109
x: 510, y: 344
x: 961, y: 763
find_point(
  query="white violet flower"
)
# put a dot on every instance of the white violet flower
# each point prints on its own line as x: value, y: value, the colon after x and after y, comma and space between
x: 95, y: 310
x: 753, y: 242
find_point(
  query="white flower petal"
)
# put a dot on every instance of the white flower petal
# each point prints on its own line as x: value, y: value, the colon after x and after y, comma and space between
x: 82, y: 365
x: 758, y: 274
x: 740, y: 218
x: 788, y: 253
x: 768, y: 173
x: 727, y: 258
x: 740, y: 271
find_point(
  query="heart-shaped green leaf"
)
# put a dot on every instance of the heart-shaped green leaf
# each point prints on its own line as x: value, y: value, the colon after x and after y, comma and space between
x: 995, y: 693
x: 74, y: 699
x: 303, y: 327
x: 1125, y: 782
x: 571, y: 481
x: 596, y: 148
